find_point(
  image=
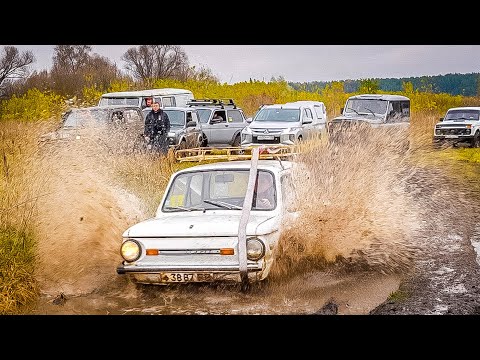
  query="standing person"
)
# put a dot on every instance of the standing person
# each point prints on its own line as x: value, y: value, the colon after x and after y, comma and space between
x: 157, y: 126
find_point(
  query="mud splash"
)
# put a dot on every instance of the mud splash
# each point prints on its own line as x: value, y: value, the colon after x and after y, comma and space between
x: 356, y: 210
x: 82, y: 217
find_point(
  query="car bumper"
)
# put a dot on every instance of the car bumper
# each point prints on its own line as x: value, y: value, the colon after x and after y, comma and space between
x: 156, y: 275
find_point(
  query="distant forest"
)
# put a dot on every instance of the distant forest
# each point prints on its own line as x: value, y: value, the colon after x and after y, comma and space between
x: 453, y: 84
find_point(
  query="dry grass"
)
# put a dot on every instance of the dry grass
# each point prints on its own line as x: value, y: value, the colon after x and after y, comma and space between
x: 20, y: 190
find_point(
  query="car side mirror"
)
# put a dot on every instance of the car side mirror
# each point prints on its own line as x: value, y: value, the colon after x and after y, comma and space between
x: 307, y: 120
x: 249, y: 120
x: 191, y: 123
x: 341, y: 110
x: 441, y: 119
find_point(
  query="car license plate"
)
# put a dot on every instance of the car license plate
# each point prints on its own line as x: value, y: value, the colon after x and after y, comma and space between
x: 451, y: 136
x: 185, y: 277
x: 265, y: 137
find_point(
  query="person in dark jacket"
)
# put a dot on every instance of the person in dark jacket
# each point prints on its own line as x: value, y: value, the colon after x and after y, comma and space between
x: 157, y: 126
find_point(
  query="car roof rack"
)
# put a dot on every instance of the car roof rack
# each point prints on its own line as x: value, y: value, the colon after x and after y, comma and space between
x: 231, y: 153
x: 215, y: 102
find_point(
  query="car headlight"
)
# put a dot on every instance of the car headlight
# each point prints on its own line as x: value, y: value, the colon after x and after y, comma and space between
x: 293, y: 129
x: 130, y: 250
x: 255, y: 249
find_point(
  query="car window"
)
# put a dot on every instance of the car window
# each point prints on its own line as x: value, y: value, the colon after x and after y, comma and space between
x: 168, y: 101
x: 234, y: 116
x: 204, y: 115
x: 318, y: 111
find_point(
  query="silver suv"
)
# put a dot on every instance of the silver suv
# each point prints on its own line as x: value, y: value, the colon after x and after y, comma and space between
x: 222, y: 121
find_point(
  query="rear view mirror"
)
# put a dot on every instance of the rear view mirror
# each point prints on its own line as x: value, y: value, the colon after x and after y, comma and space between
x: 441, y: 119
x: 224, y: 178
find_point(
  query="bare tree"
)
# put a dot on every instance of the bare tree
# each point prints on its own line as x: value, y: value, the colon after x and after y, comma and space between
x: 74, y: 67
x: 14, y: 65
x: 156, y: 62
x: 68, y: 59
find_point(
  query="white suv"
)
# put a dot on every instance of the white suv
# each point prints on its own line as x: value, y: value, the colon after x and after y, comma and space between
x: 460, y: 125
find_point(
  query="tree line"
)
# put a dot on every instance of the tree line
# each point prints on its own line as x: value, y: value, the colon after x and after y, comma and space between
x: 75, y: 67
x: 452, y: 84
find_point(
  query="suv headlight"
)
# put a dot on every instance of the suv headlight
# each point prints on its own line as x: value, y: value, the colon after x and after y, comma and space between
x: 255, y: 249
x: 131, y: 250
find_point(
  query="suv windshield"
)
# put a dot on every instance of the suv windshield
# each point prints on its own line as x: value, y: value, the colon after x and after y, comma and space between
x: 366, y: 106
x: 80, y: 118
x: 176, y: 117
x: 278, y: 114
x: 462, y: 115
x: 219, y: 189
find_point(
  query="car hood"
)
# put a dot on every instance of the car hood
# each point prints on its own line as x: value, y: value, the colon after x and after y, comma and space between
x: 201, y: 225
x: 176, y: 129
x: 458, y: 122
x: 273, y: 125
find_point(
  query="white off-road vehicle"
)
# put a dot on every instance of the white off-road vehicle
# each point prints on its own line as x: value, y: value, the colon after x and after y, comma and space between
x: 460, y: 125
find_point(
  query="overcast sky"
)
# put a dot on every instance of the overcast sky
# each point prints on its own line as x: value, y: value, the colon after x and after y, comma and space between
x: 302, y: 63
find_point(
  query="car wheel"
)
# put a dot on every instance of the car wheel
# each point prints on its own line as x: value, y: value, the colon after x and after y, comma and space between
x: 236, y: 142
x: 476, y: 140
x: 204, y: 142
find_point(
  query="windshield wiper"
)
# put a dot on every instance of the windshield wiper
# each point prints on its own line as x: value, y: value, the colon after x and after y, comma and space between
x: 370, y: 111
x: 223, y: 204
x: 184, y: 208
x: 354, y: 110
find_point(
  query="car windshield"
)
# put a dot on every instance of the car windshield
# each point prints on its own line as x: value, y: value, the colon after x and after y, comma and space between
x: 83, y: 117
x: 176, y: 117
x: 462, y: 115
x: 366, y: 106
x: 219, y: 189
x: 119, y: 101
x: 278, y: 114
x: 204, y: 115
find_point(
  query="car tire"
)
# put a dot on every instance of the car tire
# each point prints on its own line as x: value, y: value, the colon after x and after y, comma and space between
x: 236, y: 142
x: 476, y: 140
x: 204, y: 142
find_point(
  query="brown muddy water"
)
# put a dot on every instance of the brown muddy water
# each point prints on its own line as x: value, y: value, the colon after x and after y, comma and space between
x: 352, y: 245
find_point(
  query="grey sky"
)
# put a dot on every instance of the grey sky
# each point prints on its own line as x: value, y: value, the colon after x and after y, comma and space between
x: 235, y: 63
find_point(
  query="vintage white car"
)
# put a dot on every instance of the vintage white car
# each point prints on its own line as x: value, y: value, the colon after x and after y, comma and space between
x: 205, y: 230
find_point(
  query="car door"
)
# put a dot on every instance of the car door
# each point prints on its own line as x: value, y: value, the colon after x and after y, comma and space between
x: 219, y: 130
x: 307, y: 127
x: 236, y: 121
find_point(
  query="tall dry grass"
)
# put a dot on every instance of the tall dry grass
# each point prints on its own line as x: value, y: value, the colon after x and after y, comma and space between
x: 20, y: 189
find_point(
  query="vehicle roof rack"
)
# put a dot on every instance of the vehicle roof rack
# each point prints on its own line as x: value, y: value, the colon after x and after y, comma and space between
x: 231, y: 153
x: 216, y: 102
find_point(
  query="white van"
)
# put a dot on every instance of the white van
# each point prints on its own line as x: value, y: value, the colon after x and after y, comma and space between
x: 166, y: 97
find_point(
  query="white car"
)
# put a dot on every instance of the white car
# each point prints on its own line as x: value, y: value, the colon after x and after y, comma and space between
x: 460, y: 125
x: 202, y: 232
